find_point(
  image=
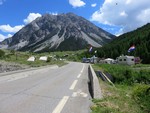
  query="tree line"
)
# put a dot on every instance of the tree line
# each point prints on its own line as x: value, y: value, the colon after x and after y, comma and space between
x: 140, y: 38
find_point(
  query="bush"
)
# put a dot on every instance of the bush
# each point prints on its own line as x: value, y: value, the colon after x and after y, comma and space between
x: 141, y: 95
x: 49, y: 59
x: 126, y: 75
x: 121, y: 74
x: 2, y: 53
x: 144, y: 76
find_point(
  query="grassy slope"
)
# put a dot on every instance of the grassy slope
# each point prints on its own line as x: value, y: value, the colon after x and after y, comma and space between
x: 21, y: 57
x: 127, y: 96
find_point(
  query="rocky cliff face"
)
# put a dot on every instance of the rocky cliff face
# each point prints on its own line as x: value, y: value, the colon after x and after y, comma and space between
x: 59, y: 32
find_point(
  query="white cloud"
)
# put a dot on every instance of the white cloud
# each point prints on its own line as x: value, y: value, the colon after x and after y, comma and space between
x: 120, y: 32
x: 145, y: 15
x: 8, y: 28
x: 128, y: 1
x: 9, y: 35
x: 2, y: 1
x: 77, y: 3
x: 2, y: 37
x: 108, y: 29
x: 93, y: 5
x: 52, y: 13
x: 123, y: 13
x: 128, y: 14
x: 31, y: 17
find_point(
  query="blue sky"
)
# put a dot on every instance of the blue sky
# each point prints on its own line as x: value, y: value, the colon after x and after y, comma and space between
x: 114, y: 16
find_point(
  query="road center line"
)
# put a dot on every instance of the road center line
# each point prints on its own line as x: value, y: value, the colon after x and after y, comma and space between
x: 82, y: 69
x: 61, y: 105
x: 79, y: 76
x: 73, y: 85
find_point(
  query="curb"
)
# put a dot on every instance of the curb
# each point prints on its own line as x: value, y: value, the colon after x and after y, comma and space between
x: 94, y: 82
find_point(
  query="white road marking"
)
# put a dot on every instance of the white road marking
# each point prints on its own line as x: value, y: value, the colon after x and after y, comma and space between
x: 79, y: 93
x: 75, y: 94
x: 61, y: 105
x: 73, y: 85
x: 80, y: 72
x: 79, y: 76
x: 83, y: 94
x: 82, y: 69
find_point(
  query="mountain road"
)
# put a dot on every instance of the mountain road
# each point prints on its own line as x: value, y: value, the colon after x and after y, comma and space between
x: 46, y: 90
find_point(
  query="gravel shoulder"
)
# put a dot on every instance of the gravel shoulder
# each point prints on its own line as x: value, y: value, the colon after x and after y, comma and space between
x: 11, y: 66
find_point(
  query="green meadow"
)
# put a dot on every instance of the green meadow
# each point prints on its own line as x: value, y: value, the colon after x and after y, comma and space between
x: 130, y: 92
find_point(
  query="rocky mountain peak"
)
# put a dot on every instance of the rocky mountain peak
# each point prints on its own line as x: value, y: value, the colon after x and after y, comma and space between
x: 59, y: 32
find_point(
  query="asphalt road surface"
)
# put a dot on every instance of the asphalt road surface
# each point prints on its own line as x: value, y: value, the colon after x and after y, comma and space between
x: 46, y: 90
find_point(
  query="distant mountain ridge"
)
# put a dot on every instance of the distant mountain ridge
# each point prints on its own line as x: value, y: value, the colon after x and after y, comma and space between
x: 58, y: 32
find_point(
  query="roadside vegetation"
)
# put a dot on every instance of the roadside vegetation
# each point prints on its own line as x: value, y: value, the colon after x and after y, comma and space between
x: 21, y: 58
x: 140, y: 38
x: 130, y: 93
x: 58, y: 58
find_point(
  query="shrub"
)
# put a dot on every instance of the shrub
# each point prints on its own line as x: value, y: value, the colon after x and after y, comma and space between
x: 49, y: 59
x: 121, y: 74
x: 2, y: 53
x: 141, y: 95
x: 126, y: 75
x: 12, y: 52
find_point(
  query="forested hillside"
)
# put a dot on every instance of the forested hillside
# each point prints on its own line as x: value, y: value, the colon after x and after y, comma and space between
x: 140, y: 38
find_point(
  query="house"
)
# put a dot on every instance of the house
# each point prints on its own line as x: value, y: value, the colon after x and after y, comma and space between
x: 129, y: 60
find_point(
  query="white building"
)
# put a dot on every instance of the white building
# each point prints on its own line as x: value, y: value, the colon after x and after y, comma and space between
x: 129, y: 60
